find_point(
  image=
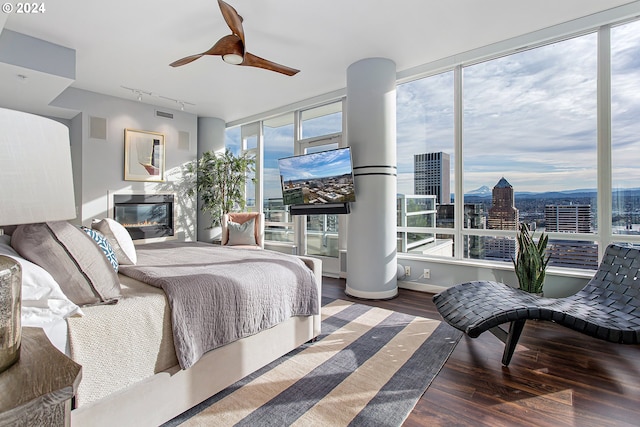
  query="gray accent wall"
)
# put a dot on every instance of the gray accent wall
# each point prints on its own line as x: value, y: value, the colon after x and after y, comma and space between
x: 98, y: 164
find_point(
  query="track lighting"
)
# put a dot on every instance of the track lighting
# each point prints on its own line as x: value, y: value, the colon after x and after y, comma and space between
x: 139, y: 92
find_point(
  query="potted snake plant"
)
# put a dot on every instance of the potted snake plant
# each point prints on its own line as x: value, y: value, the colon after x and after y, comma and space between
x: 531, y: 261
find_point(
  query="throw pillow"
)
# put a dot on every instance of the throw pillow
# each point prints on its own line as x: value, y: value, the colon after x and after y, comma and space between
x: 43, y: 301
x: 242, y: 234
x: 119, y: 238
x: 72, y: 259
x: 104, y: 245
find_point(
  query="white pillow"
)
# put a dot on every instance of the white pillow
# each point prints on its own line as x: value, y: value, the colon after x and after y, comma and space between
x: 42, y: 299
x: 119, y: 238
x: 242, y: 234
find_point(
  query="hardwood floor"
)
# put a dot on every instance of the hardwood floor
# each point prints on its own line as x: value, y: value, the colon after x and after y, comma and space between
x: 557, y: 377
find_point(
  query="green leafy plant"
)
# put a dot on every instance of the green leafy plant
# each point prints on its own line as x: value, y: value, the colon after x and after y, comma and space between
x: 531, y: 261
x: 220, y: 180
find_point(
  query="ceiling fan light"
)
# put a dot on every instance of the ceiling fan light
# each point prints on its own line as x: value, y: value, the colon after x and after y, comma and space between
x: 232, y: 58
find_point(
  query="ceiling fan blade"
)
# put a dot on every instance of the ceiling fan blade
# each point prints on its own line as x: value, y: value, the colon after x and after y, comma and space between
x: 226, y: 45
x: 233, y: 19
x: 186, y: 60
x: 232, y: 47
x: 251, y: 60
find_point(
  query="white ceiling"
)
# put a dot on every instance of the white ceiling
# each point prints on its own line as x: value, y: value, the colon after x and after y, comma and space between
x: 130, y: 43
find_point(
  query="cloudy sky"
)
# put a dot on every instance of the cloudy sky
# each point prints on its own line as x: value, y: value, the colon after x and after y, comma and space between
x: 530, y: 117
x: 317, y: 165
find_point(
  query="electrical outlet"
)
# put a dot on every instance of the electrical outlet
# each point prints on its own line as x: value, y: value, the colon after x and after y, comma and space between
x: 426, y: 274
x: 407, y: 270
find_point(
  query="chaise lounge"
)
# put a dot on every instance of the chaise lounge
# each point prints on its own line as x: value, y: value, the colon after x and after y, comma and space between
x: 608, y: 307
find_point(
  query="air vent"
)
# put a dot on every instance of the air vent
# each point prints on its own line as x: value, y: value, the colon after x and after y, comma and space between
x: 164, y: 114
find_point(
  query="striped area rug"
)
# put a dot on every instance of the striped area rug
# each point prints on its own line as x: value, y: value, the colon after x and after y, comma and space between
x: 368, y: 368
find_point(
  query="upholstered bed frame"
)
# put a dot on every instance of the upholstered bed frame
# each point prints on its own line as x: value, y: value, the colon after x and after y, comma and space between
x: 167, y: 394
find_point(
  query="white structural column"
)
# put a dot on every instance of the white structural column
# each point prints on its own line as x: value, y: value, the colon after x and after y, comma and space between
x: 210, y: 138
x: 371, y: 134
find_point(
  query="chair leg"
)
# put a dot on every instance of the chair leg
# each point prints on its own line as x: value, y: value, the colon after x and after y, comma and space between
x: 515, y: 329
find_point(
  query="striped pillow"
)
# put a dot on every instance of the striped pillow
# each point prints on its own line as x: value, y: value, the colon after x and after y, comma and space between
x: 72, y: 258
x: 104, y: 244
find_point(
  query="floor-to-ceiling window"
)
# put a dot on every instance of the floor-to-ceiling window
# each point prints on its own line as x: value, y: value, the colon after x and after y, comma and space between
x: 318, y: 127
x: 530, y: 148
x: 304, y: 131
x: 520, y: 131
x: 625, y: 129
x: 278, y: 135
x: 426, y: 157
x: 244, y: 140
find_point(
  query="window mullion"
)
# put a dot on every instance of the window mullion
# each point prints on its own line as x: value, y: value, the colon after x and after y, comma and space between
x: 605, y: 186
x: 458, y: 216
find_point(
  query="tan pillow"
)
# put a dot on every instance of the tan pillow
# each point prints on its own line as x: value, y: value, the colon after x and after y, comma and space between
x: 119, y: 238
x: 78, y: 265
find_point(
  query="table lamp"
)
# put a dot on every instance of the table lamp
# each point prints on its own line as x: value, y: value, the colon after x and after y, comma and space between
x: 36, y: 185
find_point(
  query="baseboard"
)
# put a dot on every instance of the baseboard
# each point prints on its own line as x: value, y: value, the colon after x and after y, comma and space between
x: 421, y: 287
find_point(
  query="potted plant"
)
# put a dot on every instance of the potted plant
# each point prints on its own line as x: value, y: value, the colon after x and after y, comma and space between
x: 220, y: 180
x: 531, y: 261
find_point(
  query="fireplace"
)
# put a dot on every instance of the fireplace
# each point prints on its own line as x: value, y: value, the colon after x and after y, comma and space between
x: 145, y: 216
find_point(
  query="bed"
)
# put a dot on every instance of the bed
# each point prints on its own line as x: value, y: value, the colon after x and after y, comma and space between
x: 137, y: 369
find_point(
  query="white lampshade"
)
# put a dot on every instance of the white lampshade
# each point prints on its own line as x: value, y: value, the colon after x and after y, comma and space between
x: 36, y: 181
x: 36, y: 185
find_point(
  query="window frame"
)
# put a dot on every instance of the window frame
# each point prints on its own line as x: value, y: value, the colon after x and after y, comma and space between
x: 600, y: 23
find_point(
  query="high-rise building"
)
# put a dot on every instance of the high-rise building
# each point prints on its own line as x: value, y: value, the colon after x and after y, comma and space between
x: 431, y: 176
x: 568, y: 218
x: 503, y: 215
x: 473, y: 218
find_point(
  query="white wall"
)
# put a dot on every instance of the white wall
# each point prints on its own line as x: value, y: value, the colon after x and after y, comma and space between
x: 445, y: 274
x: 101, y: 168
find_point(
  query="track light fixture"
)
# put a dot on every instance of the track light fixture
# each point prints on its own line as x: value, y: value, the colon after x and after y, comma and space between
x: 138, y: 93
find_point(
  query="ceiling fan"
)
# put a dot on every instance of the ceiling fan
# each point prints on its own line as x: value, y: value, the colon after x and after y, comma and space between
x: 232, y: 47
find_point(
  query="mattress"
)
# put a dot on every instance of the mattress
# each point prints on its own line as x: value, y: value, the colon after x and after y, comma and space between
x: 122, y: 344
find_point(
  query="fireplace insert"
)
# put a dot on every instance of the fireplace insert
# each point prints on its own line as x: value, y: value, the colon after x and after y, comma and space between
x: 145, y: 216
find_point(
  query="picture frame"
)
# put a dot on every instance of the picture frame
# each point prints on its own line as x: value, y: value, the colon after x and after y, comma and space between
x: 144, y: 155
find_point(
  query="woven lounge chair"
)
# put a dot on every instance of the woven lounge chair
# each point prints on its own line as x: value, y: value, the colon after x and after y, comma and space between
x: 608, y: 307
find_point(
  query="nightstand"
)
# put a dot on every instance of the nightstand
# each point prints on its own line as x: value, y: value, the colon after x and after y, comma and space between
x: 37, y: 390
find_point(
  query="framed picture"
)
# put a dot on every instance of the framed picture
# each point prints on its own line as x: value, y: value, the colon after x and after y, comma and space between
x: 143, y: 155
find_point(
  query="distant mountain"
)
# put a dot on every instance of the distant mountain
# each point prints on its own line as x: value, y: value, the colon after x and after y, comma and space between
x: 557, y: 194
x: 483, y: 191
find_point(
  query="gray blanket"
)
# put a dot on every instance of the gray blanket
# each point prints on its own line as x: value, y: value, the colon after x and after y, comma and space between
x: 220, y: 294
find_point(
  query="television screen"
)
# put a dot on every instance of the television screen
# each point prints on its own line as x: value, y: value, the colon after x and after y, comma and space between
x: 318, y: 178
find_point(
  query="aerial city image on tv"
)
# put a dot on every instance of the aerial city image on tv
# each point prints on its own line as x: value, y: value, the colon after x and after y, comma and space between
x: 318, y: 178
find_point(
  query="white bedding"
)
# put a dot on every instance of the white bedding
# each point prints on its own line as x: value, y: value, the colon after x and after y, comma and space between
x: 122, y: 344
x: 56, y: 331
x: 219, y: 294
x: 44, y: 305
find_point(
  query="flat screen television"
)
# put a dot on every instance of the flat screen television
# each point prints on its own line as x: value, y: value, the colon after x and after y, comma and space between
x: 318, y: 182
